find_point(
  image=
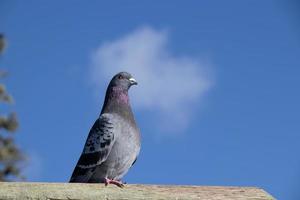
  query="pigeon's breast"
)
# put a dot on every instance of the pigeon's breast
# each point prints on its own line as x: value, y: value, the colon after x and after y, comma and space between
x: 125, y: 150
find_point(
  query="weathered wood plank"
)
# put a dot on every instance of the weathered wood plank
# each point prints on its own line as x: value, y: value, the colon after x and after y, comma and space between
x: 75, y: 191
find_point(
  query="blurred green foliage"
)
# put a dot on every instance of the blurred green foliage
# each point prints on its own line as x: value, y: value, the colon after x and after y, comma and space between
x: 10, y: 154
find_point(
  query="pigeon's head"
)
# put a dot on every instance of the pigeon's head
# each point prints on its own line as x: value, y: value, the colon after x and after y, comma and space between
x: 123, y: 80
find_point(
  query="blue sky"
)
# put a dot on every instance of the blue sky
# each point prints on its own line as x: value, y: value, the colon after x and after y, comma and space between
x: 218, y: 99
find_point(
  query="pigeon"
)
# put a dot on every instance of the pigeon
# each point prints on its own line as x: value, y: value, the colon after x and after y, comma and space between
x: 113, y: 143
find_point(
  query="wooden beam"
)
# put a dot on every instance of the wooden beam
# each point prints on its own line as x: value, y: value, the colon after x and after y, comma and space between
x: 76, y: 191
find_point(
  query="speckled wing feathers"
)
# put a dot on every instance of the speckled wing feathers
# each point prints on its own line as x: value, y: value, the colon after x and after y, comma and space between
x: 97, y: 147
x: 98, y: 144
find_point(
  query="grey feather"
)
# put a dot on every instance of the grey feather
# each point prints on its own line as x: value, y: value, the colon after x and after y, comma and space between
x: 113, y: 143
x: 99, y: 143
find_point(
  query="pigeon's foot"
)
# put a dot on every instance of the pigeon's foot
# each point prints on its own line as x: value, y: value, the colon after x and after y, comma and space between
x: 114, y: 182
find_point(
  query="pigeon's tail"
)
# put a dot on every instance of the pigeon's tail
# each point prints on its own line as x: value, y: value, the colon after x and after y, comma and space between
x: 81, y: 175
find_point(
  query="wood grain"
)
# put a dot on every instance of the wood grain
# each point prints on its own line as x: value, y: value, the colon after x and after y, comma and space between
x: 76, y: 191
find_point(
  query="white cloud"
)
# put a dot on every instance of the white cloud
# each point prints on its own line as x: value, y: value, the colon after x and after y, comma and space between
x: 168, y: 85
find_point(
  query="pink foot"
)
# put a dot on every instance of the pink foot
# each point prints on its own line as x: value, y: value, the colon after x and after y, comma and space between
x: 117, y: 183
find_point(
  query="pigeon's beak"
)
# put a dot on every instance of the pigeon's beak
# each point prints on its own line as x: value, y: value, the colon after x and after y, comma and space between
x: 133, y: 81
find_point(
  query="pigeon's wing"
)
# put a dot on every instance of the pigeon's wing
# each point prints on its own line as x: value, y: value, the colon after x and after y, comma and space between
x: 96, y: 149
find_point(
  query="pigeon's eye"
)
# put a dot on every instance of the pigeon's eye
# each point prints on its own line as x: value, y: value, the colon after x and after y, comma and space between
x: 120, y: 77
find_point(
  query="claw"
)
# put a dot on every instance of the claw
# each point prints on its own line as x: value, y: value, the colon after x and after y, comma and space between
x: 117, y: 183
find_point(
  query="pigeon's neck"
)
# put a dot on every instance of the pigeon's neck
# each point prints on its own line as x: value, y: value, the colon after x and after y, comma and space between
x: 117, y: 101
